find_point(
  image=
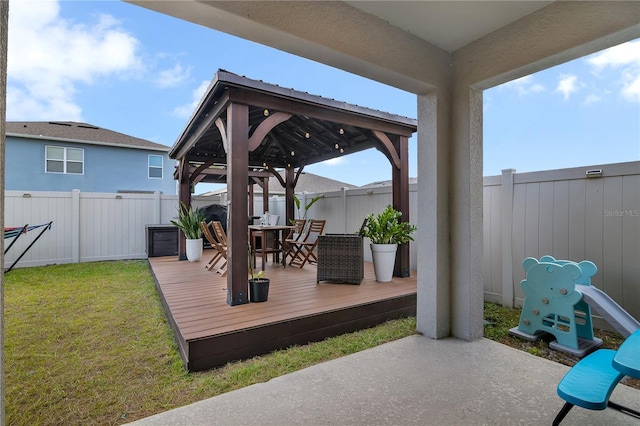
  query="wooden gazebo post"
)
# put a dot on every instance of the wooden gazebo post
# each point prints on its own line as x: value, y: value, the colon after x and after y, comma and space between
x: 184, y: 196
x: 237, y: 178
x: 265, y: 195
x: 400, y: 179
x: 288, y: 194
x: 397, y: 151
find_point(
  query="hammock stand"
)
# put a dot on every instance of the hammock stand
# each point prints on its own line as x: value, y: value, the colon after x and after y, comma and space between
x: 17, y: 232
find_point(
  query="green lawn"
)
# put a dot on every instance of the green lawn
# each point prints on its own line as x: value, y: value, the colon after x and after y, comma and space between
x: 89, y: 344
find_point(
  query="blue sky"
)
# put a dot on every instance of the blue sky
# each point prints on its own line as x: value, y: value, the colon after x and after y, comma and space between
x: 139, y: 72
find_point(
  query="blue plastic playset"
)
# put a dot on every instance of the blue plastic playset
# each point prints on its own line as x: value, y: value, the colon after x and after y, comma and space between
x: 558, y: 301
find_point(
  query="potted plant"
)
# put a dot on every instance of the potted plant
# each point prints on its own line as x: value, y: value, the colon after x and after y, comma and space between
x: 189, y: 222
x: 258, y: 286
x: 386, y: 231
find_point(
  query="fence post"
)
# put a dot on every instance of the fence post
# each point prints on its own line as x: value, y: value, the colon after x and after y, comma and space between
x: 75, y: 226
x: 344, y: 208
x: 506, y: 231
x: 156, y: 207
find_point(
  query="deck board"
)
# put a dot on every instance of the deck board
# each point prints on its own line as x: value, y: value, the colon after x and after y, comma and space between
x: 211, y: 333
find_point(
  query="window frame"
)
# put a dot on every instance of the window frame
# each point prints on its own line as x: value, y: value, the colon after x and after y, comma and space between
x: 65, y: 160
x: 149, y: 167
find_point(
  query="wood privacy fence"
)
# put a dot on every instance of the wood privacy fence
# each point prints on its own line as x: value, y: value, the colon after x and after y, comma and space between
x: 562, y: 213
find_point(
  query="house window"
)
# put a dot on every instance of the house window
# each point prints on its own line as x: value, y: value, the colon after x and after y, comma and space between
x: 59, y: 159
x: 155, y: 167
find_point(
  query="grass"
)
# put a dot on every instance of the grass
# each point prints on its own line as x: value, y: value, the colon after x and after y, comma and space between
x: 89, y: 344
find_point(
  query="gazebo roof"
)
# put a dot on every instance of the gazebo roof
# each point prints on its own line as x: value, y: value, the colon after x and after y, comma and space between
x: 308, y: 128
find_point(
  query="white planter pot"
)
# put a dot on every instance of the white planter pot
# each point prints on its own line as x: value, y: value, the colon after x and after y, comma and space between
x: 384, y: 258
x: 194, y: 250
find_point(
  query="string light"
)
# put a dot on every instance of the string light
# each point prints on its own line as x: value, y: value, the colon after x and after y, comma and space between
x: 307, y: 135
x: 293, y: 153
x: 266, y: 112
x: 341, y: 131
x: 337, y: 146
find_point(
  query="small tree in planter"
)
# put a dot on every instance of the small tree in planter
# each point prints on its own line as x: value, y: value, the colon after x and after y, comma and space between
x: 258, y: 286
x: 298, y: 203
x: 386, y: 231
x: 189, y: 223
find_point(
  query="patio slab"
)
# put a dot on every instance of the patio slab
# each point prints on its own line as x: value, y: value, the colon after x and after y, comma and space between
x: 412, y: 381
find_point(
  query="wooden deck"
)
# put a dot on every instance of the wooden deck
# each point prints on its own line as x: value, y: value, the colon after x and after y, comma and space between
x: 210, y: 333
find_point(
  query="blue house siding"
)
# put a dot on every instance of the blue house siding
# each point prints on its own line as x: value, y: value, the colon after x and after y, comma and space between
x: 106, y: 168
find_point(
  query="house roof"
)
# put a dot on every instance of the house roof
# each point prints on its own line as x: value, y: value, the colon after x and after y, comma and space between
x: 295, y: 128
x: 412, y: 180
x: 311, y: 183
x: 307, y: 182
x: 71, y: 131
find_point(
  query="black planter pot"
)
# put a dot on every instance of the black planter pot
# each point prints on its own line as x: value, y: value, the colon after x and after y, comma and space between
x: 258, y: 289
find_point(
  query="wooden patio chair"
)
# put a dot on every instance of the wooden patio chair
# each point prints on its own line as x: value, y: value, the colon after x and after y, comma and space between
x: 293, y: 236
x: 218, y: 255
x: 304, y: 250
x: 221, y: 245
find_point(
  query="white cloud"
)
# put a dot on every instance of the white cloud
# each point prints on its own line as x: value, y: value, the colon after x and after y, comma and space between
x: 537, y: 88
x: 338, y: 161
x: 623, y: 54
x: 591, y: 99
x: 185, y: 111
x: 525, y: 85
x: 173, y: 76
x: 25, y: 107
x: 48, y: 57
x: 626, y: 57
x: 567, y: 85
x: 631, y: 84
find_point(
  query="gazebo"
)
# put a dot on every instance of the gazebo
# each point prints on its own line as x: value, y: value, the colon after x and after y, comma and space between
x: 244, y: 131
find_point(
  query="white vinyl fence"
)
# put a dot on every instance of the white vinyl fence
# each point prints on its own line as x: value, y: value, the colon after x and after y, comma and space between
x: 562, y: 213
x: 567, y: 214
x: 86, y: 226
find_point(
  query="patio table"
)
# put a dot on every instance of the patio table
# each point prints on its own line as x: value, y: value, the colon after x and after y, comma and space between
x: 276, y: 231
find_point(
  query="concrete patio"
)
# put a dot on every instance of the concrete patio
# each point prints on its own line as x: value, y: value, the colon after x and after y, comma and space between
x: 412, y: 381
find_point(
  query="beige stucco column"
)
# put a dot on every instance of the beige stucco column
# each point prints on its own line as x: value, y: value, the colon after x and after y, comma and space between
x: 434, y: 295
x: 450, y: 280
x: 4, y: 24
x: 465, y: 211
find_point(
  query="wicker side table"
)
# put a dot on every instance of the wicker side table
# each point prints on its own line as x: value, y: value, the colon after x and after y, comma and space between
x: 340, y: 258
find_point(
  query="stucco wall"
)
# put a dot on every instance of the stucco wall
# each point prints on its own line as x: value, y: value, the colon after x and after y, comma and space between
x: 106, y: 169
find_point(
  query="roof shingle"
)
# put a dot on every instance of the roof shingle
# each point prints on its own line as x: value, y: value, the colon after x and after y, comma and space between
x: 72, y: 131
